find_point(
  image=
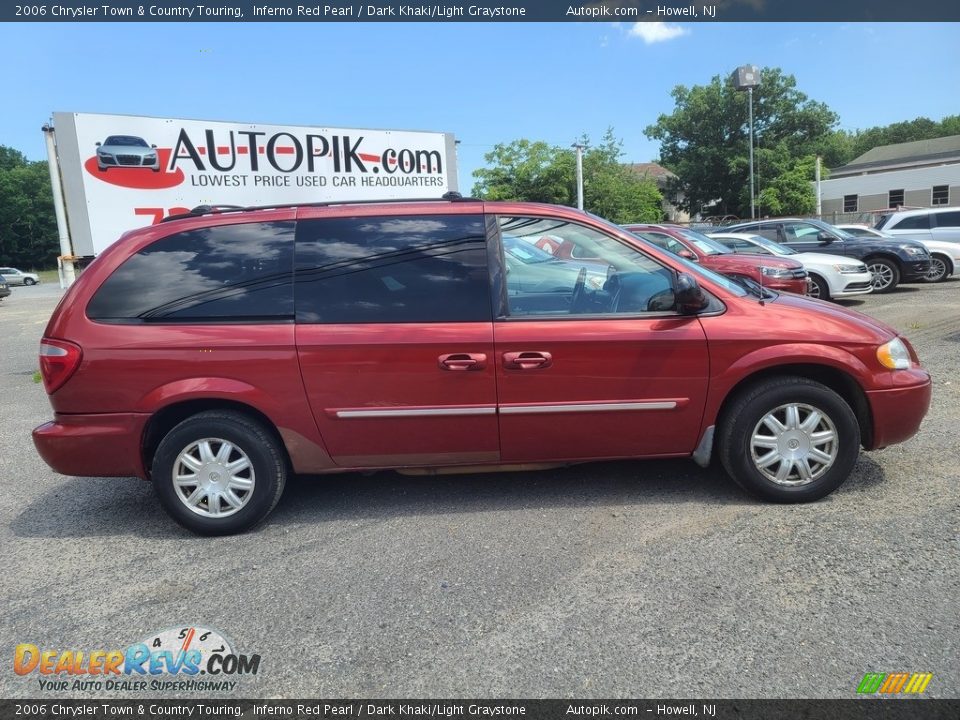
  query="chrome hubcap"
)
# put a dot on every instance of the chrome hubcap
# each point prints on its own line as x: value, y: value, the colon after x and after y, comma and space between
x: 213, y: 478
x: 882, y: 276
x: 794, y: 444
x: 938, y: 268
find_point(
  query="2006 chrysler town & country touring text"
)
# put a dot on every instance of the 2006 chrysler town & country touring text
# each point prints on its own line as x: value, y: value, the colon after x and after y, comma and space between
x: 218, y: 353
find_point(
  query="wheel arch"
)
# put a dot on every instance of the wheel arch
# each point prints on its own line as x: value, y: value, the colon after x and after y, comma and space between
x: 168, y: 417
x: 842, y: 383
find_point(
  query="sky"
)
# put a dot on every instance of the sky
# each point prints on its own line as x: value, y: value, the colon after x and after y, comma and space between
x: 487, y: 83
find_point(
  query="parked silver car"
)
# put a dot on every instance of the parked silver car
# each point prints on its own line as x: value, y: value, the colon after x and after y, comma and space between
x: 127, y: 151
x: 18, y: 277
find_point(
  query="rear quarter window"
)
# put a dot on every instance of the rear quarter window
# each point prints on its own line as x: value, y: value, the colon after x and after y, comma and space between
x: 915, y: 222
x: 226, y: 273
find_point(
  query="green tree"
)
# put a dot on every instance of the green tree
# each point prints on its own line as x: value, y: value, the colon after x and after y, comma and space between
x: 705, y: 140
x: 538, y: 172
x: 920, y: 128
x: 28, y: 227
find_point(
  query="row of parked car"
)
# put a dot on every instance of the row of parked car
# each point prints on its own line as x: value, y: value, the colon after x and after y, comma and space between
x: 11, y: 276
x: 810, y: 256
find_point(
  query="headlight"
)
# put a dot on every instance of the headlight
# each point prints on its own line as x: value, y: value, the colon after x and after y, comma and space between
x: 894, y: 355
x: 775, y: 271
x: 850, y: 269
x: 915, y: 251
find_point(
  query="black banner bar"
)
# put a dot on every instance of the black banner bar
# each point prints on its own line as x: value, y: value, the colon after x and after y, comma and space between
x: 212, y: 709
x: 485, y: 11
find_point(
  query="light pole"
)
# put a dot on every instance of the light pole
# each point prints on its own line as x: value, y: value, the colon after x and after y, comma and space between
x: 579, y: 148
x: 747, y: 77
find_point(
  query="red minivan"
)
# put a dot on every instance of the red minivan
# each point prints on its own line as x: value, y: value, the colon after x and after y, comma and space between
x: 776, y: 273
x: 219, y: 352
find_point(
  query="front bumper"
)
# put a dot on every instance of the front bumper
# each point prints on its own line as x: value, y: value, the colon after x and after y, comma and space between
x: 915, y: 270
x: 898, y: 411
x: 102, y: 445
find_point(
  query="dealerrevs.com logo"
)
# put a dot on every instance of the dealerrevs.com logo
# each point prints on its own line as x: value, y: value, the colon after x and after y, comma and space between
x: 181, y: 659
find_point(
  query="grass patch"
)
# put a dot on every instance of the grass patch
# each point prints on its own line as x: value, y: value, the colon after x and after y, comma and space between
x: 36, y: 377
x: 49, y: 276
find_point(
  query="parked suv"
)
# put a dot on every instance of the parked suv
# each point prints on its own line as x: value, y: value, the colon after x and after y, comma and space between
x: 924, y: 224
x: 776, y: 273
x: 318, y: 339
x: 891, y: 262
x: 18, y: 277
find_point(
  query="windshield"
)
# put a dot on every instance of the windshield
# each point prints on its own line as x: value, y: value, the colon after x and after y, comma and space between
x: 774, y: 247
x: 831, y: 229
x: 525, y: 252
x: 703, y: 243
x: 126, y: 140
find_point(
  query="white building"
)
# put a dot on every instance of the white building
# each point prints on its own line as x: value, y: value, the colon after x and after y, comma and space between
x: 924, y: 173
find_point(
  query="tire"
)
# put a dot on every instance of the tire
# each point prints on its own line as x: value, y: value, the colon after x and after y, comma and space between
x: 29, y: 281
x: 745, y: 440
x: 819, y: 288
x: 939, y: 269
x: 221, y: 439
x: 886, y: 274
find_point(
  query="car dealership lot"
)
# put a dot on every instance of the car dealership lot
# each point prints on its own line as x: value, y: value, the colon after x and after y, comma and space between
x: 646, y: 579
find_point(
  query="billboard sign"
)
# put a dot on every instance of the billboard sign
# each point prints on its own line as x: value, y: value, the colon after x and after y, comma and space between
x: 121, y: 172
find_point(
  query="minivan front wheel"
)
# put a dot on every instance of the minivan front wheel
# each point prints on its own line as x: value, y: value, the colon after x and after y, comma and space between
x: 789, y: 440
x: 219, y: 472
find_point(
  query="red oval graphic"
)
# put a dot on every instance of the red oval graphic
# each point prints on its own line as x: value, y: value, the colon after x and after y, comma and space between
x: 139, y: 178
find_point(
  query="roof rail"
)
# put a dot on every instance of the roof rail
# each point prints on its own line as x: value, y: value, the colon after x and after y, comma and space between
x: 201, y: 210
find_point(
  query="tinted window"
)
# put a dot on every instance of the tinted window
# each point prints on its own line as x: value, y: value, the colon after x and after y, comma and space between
x: 948, y: 219
x: 916, y: 222
x: 226, y: 273
x: 430, y: 268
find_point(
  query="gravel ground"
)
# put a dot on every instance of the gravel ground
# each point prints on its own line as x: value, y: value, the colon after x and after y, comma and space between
x: 654, y: 579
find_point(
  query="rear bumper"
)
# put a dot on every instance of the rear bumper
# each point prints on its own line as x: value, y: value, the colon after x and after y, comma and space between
x: 898, y: 412
x: 103, y: 445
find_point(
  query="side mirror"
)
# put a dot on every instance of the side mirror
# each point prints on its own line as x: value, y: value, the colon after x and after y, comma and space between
x: 689, y: 297
x: 154, y: 147
x: 825, y: 237
x: 687, y: 255
x: 98, y: 144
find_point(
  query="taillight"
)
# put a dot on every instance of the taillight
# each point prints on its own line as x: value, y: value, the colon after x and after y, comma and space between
x: 59, y: 359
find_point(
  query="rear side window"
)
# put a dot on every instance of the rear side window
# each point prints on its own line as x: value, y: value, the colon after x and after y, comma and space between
x: 948, y: 219
x: 406, y: 269
x: 227, y: 273
x: 915, y: 222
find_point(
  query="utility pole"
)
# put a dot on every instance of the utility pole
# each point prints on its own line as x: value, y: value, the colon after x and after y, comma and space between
x: 819, y: 195
x: 579, y: 148
x: 65, y: 261
x: 747, y: 77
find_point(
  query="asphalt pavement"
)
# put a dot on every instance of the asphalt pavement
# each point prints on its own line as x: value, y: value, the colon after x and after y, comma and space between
x: 627, y: 579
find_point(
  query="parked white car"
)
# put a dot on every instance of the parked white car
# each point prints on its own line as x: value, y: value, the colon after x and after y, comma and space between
x: 831, y: 276
x: 18, y: 277
x: 944, y: 255
x: 936, y: 223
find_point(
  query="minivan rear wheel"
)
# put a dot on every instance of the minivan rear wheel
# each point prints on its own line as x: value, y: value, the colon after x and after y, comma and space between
x: 789, y: 440
x: 219, y: 472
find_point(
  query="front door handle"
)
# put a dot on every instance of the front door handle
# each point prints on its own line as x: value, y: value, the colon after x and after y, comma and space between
x: 462, y: 361
x: 527, y: 360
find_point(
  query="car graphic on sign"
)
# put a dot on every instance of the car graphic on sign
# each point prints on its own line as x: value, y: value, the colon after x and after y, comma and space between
x: 128, y: 151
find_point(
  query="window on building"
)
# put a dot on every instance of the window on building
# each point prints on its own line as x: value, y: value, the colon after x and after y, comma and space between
x: 895, y: 198
x: 941, y: 195
x: 850, y: 203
